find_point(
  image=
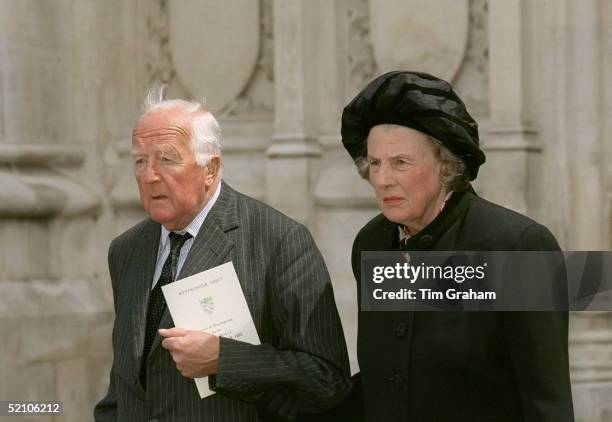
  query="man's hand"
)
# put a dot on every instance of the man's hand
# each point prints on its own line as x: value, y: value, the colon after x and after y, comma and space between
x: 195, y: 353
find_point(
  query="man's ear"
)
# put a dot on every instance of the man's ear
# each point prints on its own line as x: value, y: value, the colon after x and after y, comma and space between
x: 214, y: 167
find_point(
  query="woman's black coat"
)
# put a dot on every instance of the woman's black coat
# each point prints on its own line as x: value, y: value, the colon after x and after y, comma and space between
x: 462, y: 366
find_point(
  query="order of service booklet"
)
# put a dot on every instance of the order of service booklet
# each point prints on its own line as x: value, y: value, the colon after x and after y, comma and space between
x: 211, y: 301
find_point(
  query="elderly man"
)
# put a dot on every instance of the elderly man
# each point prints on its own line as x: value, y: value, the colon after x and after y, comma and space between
x: 196, y: 222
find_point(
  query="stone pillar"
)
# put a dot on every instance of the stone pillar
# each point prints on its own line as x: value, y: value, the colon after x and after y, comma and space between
x: 57, y: 118
x: 585, y: 143
x: 343, y: 201
x: 41, y: 313
x: 606, y: 115
x: 591, y: 365
x: 294, y: 151
x: 511, y: 142
x: 573, y: 92
x: 591, y: 338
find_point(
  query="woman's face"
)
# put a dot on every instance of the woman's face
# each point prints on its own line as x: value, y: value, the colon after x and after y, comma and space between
x: 404, y: 173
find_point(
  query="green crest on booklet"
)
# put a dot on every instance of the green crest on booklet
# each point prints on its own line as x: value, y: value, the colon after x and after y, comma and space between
x: 207, y: 304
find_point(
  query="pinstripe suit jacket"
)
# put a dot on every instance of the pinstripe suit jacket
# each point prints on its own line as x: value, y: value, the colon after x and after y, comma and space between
x: 301, y: 365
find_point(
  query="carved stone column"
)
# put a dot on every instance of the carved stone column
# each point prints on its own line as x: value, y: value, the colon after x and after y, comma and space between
x: 57, y: 118
x: 343, y: 202
x: 511, y: 143
x: 571, y: 83
x: 294, y: 151
x: 606, y: 114
x: 585, y: 141
x: 591, y: 366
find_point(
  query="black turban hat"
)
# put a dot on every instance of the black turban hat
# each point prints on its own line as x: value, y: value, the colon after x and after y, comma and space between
x: 419, y: 101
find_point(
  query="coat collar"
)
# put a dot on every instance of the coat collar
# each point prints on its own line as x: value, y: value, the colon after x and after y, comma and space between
x: 431, y: 234
x: 225, y: 210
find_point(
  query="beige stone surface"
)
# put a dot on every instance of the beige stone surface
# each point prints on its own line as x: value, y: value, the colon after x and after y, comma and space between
x: 426, y: 36
x: 24, y: 239
x: 29, y: 381
x: 201, y: 34
x: 536, y: 75
x: 71, y: 377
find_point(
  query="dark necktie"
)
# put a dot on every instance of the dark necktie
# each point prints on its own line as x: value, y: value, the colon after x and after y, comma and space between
x: 157, y: 303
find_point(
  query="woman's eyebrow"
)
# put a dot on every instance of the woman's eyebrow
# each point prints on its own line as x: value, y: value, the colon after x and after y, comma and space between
x: 394, y: 157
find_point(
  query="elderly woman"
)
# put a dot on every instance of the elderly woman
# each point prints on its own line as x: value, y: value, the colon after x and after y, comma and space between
x: 414, y: 141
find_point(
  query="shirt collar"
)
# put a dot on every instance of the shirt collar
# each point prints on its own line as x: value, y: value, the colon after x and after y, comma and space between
x: 194, y: 226
x: 402, y: 229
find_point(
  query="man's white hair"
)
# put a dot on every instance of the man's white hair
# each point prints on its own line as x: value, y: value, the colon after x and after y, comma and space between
x: 205, y: 141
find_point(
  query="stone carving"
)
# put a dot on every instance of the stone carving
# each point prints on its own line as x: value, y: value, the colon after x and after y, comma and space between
x: 472, y: 82
x: 33, y: 188
x: 478, y: 45
x: 471, y: 79
x: 214, y: 46
x: 158, y: 57
x: 361, y: 65
x: 257, y: 98
x: 415, y: 35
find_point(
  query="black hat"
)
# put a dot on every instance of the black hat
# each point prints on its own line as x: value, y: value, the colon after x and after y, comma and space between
x: 416, y: 100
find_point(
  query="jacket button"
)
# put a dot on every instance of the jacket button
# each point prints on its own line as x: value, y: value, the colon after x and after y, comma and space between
x: 400, y: 329
x: 425, y: 241
x: 397, y: 380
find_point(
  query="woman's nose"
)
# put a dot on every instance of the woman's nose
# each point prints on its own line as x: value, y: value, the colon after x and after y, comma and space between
x: 385, y: 176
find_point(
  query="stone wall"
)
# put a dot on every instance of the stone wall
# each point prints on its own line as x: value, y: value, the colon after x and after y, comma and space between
x: 537, y: 75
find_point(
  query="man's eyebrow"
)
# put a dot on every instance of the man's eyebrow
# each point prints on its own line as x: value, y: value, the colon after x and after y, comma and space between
x: 403, y: 155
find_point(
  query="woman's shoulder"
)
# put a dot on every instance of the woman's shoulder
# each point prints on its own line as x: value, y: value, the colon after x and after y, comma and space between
x: 489, y: 211
x: 500, y: 227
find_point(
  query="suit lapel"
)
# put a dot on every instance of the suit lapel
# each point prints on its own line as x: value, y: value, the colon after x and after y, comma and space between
x: 211, y: 245
x: 141, y: 277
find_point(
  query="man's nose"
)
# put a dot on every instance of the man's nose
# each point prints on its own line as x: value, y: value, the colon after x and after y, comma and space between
x: 149, y: 173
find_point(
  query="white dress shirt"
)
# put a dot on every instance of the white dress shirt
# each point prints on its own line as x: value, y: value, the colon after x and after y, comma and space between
x: 192, y: 228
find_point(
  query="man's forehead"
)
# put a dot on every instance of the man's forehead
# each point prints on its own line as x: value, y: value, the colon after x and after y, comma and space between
x: 172, y: 118
x: 170, y: 134
x: 155, y: 144
x: 161, y: 132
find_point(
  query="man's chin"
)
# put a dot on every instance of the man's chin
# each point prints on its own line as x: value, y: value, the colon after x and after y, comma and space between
x: 162, y: 218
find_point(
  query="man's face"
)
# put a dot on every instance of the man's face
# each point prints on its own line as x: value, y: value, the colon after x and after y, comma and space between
x: 404, y: 174
x: 173, y: 188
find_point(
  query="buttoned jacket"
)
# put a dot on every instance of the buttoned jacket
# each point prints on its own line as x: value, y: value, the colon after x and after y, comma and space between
x: 463, y: 366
